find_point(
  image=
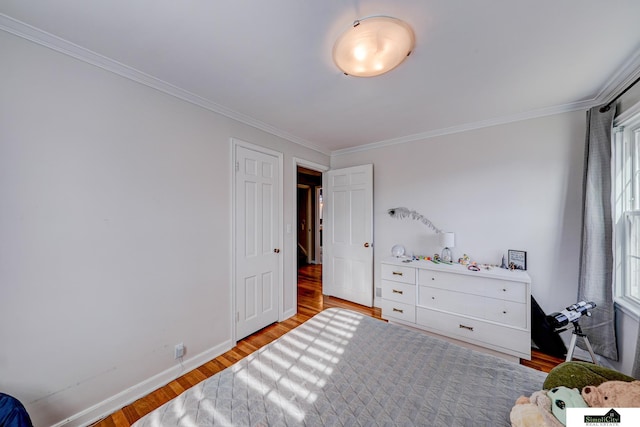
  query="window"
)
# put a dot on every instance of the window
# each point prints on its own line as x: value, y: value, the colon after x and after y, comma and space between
x: 626, y: 210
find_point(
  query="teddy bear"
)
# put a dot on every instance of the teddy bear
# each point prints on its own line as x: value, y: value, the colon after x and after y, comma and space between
x: 534, y: 411
x: 562, y: 398
x: 613, y: 394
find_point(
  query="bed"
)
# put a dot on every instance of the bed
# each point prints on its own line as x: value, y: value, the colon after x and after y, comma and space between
x: 343, y: 368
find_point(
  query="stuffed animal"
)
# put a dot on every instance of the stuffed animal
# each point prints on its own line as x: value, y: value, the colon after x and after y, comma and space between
x: 534, y: 411
x: 613, y: 394
x: 578, y: 375
x: 562, y: 398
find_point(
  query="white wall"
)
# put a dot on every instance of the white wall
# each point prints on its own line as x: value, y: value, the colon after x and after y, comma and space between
x: 114, y: 233
x: 514, y: 186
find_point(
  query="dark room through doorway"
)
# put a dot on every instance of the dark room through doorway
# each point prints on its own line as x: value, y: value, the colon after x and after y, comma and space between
x: 309, y: 233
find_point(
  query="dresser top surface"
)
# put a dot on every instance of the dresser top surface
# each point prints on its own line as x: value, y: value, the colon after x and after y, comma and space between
x: 492, y: 272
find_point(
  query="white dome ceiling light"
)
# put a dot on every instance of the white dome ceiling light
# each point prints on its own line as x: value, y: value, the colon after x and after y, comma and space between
x: 373, y: 46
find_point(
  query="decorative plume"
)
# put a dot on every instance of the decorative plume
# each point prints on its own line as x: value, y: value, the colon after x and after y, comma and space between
x: 402, y: 213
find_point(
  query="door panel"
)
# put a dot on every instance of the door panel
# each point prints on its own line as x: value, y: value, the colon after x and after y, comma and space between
x: 257, y: 240
x: 348, y: 265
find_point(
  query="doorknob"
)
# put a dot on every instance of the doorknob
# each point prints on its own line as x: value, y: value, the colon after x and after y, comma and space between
x: 366, y: 245
x: 276, y: 250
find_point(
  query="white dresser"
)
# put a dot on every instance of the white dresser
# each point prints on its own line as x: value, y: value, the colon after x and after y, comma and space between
x: 487, y: 308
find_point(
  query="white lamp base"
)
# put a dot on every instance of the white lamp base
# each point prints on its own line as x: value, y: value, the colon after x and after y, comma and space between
x: 446, y: 255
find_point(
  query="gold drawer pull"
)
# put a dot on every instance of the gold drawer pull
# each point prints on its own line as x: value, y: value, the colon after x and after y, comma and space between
x: 397, y: 273
x: 466, y: 327
x: 398, y: 310
x: 395, y: 291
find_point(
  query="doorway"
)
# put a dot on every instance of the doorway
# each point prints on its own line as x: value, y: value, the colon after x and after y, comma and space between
x: 309, y: 206
x: 309, y: 216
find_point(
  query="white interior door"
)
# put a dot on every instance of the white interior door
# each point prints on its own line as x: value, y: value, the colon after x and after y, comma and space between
x: 257, y: 257
x: 348, y: 234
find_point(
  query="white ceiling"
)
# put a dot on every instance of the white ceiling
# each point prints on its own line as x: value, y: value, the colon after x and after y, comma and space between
x: 268, y: 63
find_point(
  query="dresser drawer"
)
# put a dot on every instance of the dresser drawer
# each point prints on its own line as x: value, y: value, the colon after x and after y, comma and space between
x: 400, y: 292
x: 475, y: 285
x: 501, y: 338
x: 398, y: 310
x: 399, y: 273
x: 495, y: 310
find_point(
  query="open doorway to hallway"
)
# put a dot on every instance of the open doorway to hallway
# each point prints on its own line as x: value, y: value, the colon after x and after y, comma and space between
x: 309, y: 233
x: 309, y: 216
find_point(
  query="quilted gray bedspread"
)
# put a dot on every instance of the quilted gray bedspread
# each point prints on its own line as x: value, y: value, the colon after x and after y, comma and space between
x: 342, y: 368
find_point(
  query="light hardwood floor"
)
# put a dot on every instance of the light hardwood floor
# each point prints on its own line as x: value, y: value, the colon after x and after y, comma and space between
x: 310, y: 302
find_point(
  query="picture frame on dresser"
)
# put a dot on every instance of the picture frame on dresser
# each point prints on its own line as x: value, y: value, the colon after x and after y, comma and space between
x: 517, y: 260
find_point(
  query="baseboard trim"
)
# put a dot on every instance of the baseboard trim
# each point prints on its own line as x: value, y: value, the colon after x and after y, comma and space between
x: 108, y: 406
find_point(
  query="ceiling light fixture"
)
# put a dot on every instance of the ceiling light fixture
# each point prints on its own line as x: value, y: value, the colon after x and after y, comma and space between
x: 373, y: 46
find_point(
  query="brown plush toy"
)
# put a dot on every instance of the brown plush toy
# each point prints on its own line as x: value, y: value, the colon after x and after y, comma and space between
x: 613, y: 394
x: 533, y: 412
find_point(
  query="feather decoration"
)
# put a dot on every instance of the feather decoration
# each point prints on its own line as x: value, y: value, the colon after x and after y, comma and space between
x: 402, y: 213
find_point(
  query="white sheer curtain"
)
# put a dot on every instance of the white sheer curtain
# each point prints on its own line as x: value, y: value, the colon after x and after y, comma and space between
x: 596, y: 257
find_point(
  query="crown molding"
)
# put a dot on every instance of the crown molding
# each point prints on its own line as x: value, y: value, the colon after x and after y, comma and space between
x: 63, y: 46
x: 583, y: 105
x: 618, y: 82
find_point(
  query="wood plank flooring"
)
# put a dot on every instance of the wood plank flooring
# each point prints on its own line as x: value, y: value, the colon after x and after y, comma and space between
x: 310, y: 302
